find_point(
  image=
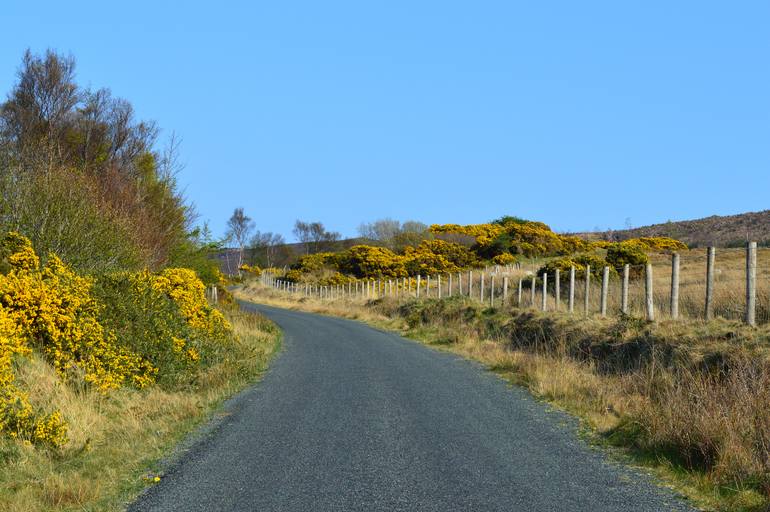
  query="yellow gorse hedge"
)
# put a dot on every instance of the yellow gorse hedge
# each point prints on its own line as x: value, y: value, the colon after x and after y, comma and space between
x: 52, y: 310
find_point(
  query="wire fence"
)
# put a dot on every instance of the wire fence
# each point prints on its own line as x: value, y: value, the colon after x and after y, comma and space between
x: 735, y: 286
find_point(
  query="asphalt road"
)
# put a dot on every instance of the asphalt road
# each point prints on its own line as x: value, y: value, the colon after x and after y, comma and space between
x: 351, y: 418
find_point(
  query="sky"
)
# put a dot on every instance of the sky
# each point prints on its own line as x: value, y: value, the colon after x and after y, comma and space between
x: 582, y: 115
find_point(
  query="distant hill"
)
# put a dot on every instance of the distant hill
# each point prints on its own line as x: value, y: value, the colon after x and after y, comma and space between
x: 720, y: 231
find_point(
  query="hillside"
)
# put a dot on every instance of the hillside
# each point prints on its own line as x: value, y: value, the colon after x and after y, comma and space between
x: 721, y: 231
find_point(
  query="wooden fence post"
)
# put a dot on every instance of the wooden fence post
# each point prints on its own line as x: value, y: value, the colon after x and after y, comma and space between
x: 545, y: 291
x: 587, y: 290
x: 751, y: 283
x: 418, y: 286
x: 624, y: 289
x: 449, y: 285
x: 557, y: 289
x: 710, y: 260
x: 427, y: 286
x: 438, y: 285
x: 492, y: 291
x: 605, y: 288
x: 518, y: 293
x: 675, y: 285
x: 648, y: 298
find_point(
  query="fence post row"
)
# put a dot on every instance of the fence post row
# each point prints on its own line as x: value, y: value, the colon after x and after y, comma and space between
x: 379, y: 288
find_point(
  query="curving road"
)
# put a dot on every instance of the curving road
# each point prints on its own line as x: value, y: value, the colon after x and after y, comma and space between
x: 351, y: 418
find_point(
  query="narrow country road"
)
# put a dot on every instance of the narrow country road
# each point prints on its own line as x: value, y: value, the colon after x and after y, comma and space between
x: 351, y: 418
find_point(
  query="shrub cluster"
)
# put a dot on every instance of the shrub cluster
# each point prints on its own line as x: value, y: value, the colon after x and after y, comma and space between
x: 121, y: 329
x: 456, y: 247
x: 366, y: 261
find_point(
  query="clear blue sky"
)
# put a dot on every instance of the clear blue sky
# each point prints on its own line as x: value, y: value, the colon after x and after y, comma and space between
x: 579, y: 114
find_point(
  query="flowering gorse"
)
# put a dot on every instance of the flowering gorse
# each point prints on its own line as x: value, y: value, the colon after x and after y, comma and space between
x: 120, y: 330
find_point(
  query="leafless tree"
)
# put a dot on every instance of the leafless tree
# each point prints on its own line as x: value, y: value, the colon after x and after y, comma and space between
x: 266, y: 246
x: 239, y: 226
x: 314, y: 236
x: 382, y: 230
x: 39, y: 109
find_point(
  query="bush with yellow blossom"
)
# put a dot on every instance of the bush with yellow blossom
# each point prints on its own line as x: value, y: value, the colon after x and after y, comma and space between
x: 122, y: 329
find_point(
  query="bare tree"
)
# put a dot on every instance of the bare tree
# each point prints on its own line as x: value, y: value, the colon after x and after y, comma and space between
x: 314, y: 236
x: 266, y: 245
x: 39, y: 109
x: 413, y: 226
x: 239, y: 226
x: 382, y: 230
x: 393, y: 234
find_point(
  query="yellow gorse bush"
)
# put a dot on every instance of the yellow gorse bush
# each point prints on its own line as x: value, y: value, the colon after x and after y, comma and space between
x: 504, y: 259
x: 56, y: 314
x: 188, y: 292
x: 483, y: 233
x: 250, y: 269
x: 52, y: 310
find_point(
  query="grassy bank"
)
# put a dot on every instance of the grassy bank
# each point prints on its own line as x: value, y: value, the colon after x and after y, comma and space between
x: 117, y: 440
x: 685, y: 399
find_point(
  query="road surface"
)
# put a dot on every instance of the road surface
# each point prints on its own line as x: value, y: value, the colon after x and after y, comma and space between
x: 352, y: 418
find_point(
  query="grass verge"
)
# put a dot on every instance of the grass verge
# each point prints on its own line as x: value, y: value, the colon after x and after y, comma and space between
x: 685, y: 400
x: 117, y: 441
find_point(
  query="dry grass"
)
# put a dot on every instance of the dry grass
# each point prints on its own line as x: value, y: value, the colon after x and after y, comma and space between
x: 117, y: 441
x: 686, y: 399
